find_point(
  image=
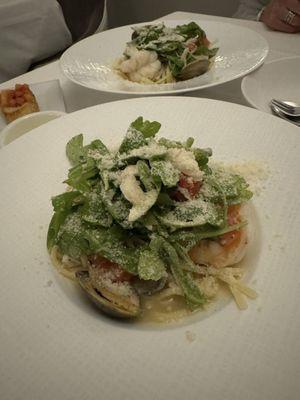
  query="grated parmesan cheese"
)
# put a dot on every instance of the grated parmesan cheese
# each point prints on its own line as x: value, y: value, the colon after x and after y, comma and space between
x: 106, y: 279
x: 150, y: 150
x: 130, y: 187
x: 255, y: 172
x: 185, y: 162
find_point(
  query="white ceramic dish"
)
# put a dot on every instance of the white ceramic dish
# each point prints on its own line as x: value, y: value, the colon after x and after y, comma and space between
x: 88, y: 62
x: 55, y: 345
x: 25, y: 124
x: 48, y: 95
x: 258, y: 88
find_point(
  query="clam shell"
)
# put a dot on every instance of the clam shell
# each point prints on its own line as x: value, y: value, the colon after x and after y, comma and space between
x: 194, y: 69
x: 108, y: 302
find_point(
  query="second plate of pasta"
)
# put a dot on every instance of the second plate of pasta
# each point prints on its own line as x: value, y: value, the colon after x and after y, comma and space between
x: 226, y: 51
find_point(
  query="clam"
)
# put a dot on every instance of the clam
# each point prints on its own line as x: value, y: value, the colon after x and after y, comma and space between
x: 194, y: 69
x: 149, y: 287
x: 117, y: 300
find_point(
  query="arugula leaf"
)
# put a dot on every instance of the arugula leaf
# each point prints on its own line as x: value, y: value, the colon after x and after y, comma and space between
x: 97, y: 145
x: 189, y: 238
x: 194, y: 298
x: 70, y: 238
x: 184, y: 279
x: 94, y: 212
x: 164, y: 199
x: 82, y: 176
x: 145, y: 175
x: 117, y: 206
x: 176, y: 65
x: 56, y: 222
x: 77, y: 153
x: 169, y: 144
x: 190, y: 30
x: 147, y: 33
x: 205, y: 51
x: 62, y: 205
x: 74, y: 149
x: 165, y: 49
x: 109, y: 242
x: 67, y: 200
x: 234, y: 186
x: 150, y: 266
x: 202, y: 156
x: 147, y: 128
x: 189, y: 143
x: 196, y: 212
x: 164, y: 171
x: 187, y: 263
x: 132, y: 140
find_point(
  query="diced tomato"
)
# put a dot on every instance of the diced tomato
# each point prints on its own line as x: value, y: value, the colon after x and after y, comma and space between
x: 10, y: 99
x: 119, y: 274
x: 16, y: 97
x: 188, y: 183
x: 20, y: 101
x: 192, y: 186
x: 191, y: 46
x: 19, y: 93
x: 230, y: 239
x: 178, y: 196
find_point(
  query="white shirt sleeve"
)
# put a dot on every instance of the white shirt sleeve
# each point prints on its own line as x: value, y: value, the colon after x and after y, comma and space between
x: 250, y: 9
x: 30, y: 30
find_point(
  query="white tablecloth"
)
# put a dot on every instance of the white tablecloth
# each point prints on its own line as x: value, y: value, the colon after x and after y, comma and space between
x: 76, y: 97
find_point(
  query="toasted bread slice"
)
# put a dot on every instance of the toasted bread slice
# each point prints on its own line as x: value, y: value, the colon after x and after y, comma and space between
x: 16, y: 103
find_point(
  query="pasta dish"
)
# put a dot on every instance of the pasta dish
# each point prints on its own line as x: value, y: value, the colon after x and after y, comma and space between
x: 152, y: 224
x: 160, y: 54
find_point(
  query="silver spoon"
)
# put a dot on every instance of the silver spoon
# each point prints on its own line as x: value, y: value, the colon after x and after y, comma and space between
x: 279, y: 113
x: 288, y: 107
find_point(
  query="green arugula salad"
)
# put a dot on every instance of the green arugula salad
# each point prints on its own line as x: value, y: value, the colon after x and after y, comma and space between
x: 160, y: 54
x: 151, y: 225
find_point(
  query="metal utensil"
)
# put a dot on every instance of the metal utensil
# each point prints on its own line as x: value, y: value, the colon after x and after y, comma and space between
x: 288, y: 107
x: 277, y: 111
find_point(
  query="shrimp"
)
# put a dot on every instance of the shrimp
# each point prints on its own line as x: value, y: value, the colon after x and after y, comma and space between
x: 227, y: 249
x: 141, y: 64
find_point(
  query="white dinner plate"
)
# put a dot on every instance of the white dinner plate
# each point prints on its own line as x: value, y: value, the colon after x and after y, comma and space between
x: 88, y: 62
x: 55, y: 345
x: 259, y: 89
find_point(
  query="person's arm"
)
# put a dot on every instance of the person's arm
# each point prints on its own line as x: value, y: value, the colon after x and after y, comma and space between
x: 30, y: 31
x: 282, y: 15
x: 250, y: 9
x: 82, y: 17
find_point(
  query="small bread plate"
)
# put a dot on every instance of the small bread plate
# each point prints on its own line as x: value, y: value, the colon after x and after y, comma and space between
x: 258, y: 88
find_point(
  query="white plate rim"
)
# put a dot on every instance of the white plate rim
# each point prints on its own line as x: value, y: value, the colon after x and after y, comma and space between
x: 175, y: 91
x: 245, y: 80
